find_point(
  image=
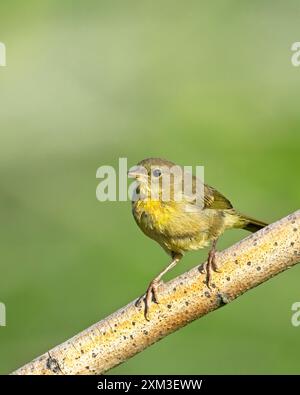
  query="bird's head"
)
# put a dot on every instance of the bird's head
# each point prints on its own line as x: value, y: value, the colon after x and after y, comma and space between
x: 150, y: 167
x: 154, y: 175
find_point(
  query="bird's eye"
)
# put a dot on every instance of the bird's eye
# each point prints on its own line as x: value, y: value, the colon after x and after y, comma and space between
x: 156, y: 173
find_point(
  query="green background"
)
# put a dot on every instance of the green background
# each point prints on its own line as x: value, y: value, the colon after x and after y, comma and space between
x: 87, y: 82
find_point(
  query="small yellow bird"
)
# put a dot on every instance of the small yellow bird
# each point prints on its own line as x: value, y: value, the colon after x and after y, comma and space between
x: 182, y: 222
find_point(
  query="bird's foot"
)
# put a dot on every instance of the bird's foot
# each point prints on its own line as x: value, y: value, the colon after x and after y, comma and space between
x: 150, y: 295
x: 209, y: 266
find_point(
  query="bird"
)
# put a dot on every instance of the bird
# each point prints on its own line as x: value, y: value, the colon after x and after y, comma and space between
x: 185, y: 221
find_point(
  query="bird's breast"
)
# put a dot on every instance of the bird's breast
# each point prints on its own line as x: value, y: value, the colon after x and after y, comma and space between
x: 172, y: 226
x: 153, y: 214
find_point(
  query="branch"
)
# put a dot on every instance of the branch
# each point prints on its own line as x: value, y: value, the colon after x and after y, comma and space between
x: 125, y: 333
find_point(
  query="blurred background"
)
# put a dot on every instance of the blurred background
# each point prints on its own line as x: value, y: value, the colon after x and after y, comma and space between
x: 88, y: 82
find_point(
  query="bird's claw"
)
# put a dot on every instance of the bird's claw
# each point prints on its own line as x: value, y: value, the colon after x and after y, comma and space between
x: 203, y: 268
x: 208, y: 266
x: 150, y: 295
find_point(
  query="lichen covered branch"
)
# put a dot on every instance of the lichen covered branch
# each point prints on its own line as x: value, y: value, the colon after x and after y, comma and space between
x: 126, y: 332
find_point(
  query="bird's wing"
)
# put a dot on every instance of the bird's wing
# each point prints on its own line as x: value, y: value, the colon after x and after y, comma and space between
x: 214, y: 199
x: 206, y: 196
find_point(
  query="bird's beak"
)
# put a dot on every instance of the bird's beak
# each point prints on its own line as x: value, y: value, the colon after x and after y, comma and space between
x: 137, y: 172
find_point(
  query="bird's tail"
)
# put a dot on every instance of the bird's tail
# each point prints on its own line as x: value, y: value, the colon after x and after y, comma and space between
x: 251, y: 224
